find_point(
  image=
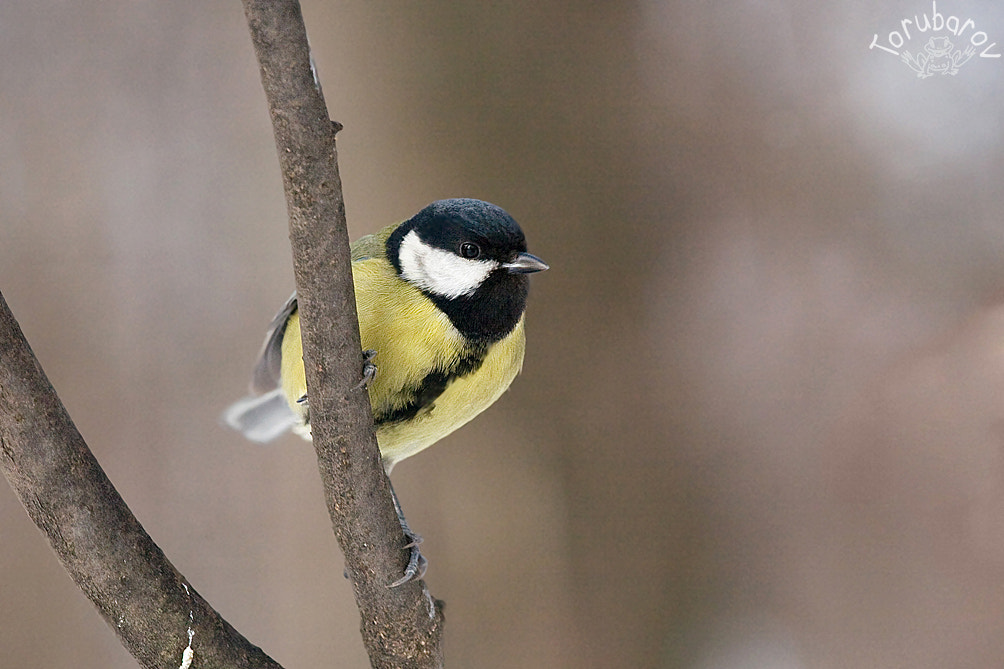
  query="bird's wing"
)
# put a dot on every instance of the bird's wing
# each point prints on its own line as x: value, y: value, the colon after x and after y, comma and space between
x: 372, y: 246
x: 267, y: 373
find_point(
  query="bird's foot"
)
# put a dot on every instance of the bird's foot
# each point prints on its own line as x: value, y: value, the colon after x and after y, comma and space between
x: 417, y: 564
x: 369, y: 369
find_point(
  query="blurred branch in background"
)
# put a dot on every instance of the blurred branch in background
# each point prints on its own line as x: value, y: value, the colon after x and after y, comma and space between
x: 98, y: 540
x: 401, y: 626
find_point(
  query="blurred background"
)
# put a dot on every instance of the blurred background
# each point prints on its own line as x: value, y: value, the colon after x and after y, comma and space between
x: 761, y: 419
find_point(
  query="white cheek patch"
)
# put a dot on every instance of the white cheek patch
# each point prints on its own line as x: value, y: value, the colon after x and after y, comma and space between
x: 438, y: 271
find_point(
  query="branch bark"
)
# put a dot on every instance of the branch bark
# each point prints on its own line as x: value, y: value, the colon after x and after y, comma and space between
x: 401, y: 627
x: 156, y: 613
x: 106, y: 551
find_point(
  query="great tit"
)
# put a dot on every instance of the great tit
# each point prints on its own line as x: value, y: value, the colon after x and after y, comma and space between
x: 440, y: 299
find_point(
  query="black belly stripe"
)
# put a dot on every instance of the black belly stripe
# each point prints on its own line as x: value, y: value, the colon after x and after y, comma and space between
x: 423, y: 396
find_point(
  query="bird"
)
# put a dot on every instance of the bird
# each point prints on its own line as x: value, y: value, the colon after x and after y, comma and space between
x: 441, y: 299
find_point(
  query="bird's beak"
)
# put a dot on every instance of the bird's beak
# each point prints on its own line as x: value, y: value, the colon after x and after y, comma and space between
x: 525, y: 263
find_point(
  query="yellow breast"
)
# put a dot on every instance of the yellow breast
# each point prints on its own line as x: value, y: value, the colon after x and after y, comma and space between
x: 411, y: 337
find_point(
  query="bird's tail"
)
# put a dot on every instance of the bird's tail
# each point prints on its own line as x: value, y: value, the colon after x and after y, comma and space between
x: 262, y: 418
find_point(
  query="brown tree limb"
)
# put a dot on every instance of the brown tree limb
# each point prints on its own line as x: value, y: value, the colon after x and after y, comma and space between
x: 153, y: 609
x: 109, y: 555
x: 401, y: 627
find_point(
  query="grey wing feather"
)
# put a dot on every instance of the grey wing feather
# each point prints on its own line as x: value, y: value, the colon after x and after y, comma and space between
x: 267, y: 373
x: 267, y: 415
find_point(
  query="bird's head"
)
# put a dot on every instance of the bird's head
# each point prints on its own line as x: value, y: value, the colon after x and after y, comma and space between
x: 470, y: 258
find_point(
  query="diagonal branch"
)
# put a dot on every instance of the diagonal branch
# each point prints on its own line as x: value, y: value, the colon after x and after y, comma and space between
x: 94, y: 534
x: 402, y: 627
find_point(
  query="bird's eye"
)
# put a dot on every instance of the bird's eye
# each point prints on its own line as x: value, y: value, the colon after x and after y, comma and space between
x: 469, y: 250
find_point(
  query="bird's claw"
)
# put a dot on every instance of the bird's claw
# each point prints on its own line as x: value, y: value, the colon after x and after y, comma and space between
x: 369, y: 369
x: 417, y: 564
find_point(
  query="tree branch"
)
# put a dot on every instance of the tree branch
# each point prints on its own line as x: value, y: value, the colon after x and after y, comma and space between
x: 153, y: 609
x: 100, y: 543
x: 402, y: 627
